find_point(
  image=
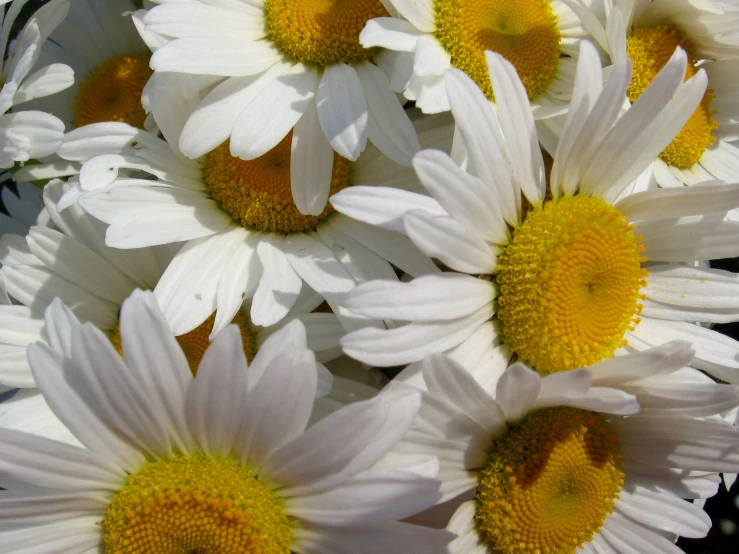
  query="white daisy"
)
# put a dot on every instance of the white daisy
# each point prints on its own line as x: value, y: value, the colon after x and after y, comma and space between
x: 220, y: 463
x: 277, y: 66
x: 554, y: 464
x: 539, y: 37
x: 29, y: 133
x: 28, y: 411
x: 24, y: 209
x: 73, y: 263
x: 237, y: 218
x: 649, y: 32
x: 564, y: 276
x: 111, y: 65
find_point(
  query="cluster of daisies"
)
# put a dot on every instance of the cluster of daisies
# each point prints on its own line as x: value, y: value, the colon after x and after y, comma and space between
x: 366, y: 276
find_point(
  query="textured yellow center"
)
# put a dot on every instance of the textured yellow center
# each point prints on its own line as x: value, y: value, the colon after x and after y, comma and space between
x: 569, y: 284
x: 650, y: 49
x: 322, y: 32
x: 195, y: 504
x: 112, y: 92
x: 549, y: 483
x: 257, y: 192
x: 195, y: 343
x: 524, y: 32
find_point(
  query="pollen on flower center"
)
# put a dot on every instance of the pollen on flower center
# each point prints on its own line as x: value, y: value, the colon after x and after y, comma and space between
x: 569, y: 284
x: 195, y: 504
x: 650, y: 49
x: 196, y: 342
x: 549, y: 483
x: 524, y: 32
x: 257, y: 192
x: 322, y: 32
x: 112, y: 92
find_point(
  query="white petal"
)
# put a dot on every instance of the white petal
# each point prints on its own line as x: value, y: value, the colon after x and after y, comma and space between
x: 451, y: 382
x: 391, y: 33
x: 460, y: 247
x: 386, y: 496
x: 437, y: 297
x: 479, y: 128
x: 395, y: 248
x: 517, y: 391
x: 278, y: 408
x: 342, y: 110
x: 279, y: 286
x: 365, y: 430
x: 275, y: 109
x: 383, y: 206
x: 388, y: 126
x: 411, y: 342
x: 464, y: 196
x: 214, y: 402
x: 517, y: 124
x: 224, y: 55
x: 311, y: 164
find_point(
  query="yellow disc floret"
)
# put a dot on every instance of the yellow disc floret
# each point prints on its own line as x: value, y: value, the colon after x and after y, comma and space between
x: 569, y: 284
x: 322, y: 32
x: 195, y: 504
x: 112, y: 92
x: 196, y: 342
x: 549, y: 483
x: 257, y: 192
x: 524, y: 32
x: 650, y: 49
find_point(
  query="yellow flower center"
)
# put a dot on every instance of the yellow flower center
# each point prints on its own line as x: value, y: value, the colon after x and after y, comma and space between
x: 112, y: 92
x: 195, y: 504
x: 524, y: 32
x: 549, y: 483
x: 650, y: 49
x: 569, y: 284
x: 196, y: 342
x: 257, y: 192
x: 322, y: 32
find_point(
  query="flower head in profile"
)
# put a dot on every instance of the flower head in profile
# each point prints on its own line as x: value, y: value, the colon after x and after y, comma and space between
x: 556, y: 260
x: 218, y: 463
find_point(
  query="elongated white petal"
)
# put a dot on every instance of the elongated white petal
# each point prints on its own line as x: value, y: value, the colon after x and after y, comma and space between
x: 274, y: 110
x: 464, y: 196
x: 411, y: 342
x: 342, y: 110
x: 438, y: 297
x: 388, y: 126
x: 311, y: 164
x: 383, y: 206
x: 461, y: 248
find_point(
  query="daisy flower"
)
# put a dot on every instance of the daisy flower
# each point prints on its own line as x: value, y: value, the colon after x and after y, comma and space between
x: 110, y: 62
x: 237, y: 218
x: 283, y: 65
x: 28, y: 411
x: 111, y: 66
x: 219, y: 463
x: 29, y: 133
x: 72, y: 262
x: 554, y: 464
x: 648, y: 32
x: 559, y: 267
x: 539, y: 37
